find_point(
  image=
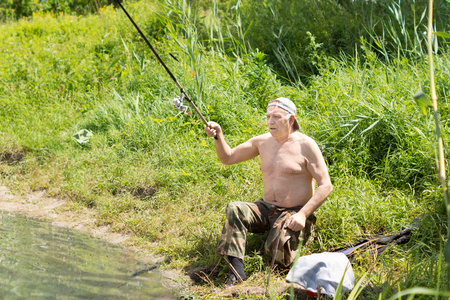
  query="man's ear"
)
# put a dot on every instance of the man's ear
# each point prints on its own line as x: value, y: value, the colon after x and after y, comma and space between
x: 291, y: 120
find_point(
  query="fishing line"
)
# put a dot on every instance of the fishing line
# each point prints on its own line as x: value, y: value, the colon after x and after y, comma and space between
x: 178, y: 102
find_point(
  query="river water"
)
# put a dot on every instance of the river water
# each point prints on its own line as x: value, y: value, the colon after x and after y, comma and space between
x: 41, y: 261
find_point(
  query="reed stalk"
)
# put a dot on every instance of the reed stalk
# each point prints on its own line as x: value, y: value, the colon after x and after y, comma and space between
x: 441, y: 158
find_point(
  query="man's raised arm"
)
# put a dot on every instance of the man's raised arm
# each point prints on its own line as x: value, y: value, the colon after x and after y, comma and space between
x: 228, y: 156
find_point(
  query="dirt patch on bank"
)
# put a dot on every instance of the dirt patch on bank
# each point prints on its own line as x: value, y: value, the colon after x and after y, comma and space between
x: 58, y: 213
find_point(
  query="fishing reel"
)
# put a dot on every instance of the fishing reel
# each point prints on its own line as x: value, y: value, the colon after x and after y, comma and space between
x: 178, y: 104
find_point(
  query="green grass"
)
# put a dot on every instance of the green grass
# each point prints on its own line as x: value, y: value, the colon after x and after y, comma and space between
x: 153, y: 172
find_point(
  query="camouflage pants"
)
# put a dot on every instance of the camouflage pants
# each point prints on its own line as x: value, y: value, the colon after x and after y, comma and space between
x: 259, y: 217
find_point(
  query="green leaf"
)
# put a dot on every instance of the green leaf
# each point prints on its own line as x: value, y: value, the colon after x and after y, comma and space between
x: 112, y: 64
x: 419, y: 291
x: 447, y: 251
x: 422, y: 101
x: 357, y: 289
x: 370, y: 127
x: 83, y: 136
x: 442, y: 34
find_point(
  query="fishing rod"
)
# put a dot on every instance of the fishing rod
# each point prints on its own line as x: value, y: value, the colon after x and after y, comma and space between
x: 178, y: 101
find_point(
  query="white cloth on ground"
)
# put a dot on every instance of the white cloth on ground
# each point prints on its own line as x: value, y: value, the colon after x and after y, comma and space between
x: 326, y: 269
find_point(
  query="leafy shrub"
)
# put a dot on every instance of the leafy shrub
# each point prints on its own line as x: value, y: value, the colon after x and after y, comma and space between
x: 16, y: 9
x: 296, y: 35
x: 368, y: 123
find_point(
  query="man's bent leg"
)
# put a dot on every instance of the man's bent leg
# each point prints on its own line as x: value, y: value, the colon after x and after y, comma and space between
x: 241, y: 217
x: 283, y: 243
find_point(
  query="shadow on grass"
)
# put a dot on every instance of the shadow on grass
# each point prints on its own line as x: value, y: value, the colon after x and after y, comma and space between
x: 12, y: 157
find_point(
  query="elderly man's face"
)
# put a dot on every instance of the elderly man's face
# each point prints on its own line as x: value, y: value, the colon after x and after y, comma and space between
x: 277, y: 122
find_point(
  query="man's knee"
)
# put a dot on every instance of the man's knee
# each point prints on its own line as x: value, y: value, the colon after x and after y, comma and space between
x: 235, y: 209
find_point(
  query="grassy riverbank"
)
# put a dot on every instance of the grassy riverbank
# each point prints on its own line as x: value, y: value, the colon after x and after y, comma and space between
x: 153, y: 172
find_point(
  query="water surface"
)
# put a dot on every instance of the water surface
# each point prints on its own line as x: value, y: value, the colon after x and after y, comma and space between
x: 42, y: 261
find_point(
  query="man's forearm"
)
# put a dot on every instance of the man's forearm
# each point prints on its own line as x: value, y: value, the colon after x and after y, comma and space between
x: 223, y: 150
x: 316, y: 200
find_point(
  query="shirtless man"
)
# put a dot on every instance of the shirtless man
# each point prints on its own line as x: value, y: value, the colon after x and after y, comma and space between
x: 290, y: 163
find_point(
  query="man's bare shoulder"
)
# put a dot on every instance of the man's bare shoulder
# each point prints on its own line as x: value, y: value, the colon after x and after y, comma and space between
x: 261, y: 138
x: 301, y: 137
x: 304, y: 141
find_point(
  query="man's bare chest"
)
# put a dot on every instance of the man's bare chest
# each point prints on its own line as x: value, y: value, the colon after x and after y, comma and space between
x: 285, y: 159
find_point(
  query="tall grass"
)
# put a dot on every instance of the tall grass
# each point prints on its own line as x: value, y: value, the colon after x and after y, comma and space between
x: 360, y: 120
x: 13, y: 10
x: 149, y: 170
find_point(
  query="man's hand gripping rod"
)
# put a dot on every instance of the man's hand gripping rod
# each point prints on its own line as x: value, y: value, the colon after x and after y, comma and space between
x: 179, y: 103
